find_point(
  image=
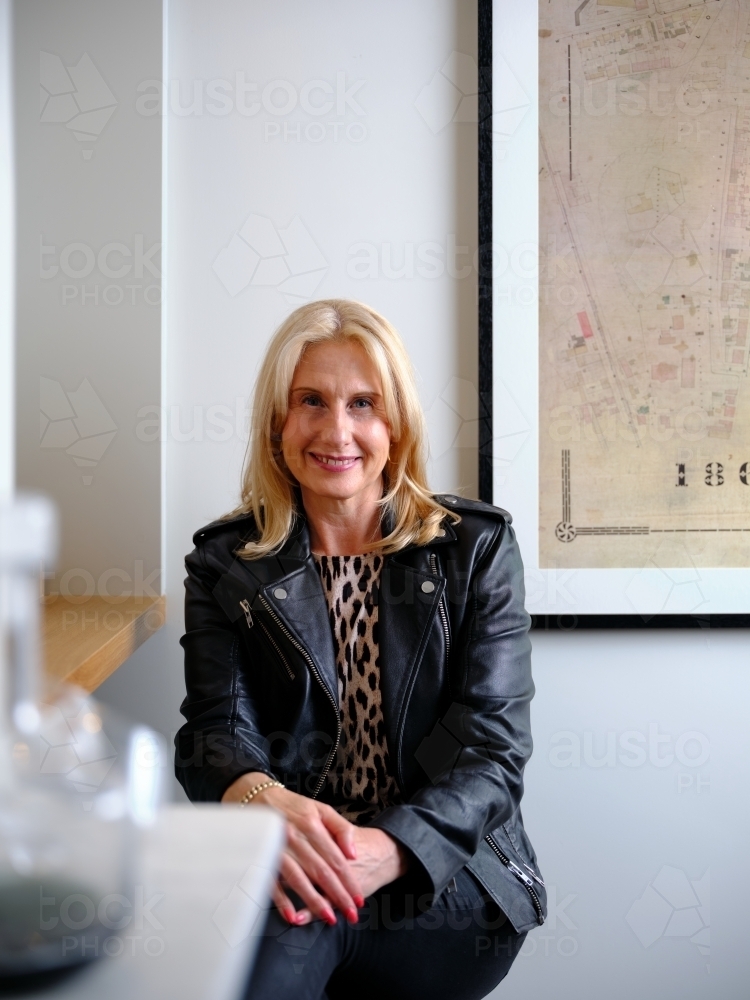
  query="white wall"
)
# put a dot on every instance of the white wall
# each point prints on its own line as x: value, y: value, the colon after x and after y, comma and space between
x: 603, y: 833
x: 605, y: 825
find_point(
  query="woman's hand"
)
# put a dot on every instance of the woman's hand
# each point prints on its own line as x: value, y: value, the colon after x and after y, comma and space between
x: 320, y: 848
x: 379, y: 860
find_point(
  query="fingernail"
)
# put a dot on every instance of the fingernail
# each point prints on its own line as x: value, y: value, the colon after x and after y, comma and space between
x: 352, y: 916
x: 329, y: 916
x: 291, y: 916
x: 359, y: 900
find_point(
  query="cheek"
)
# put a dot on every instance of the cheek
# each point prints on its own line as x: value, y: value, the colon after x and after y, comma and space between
x: 380, y: 440
x: 290, y: 440
x: 295, y: 430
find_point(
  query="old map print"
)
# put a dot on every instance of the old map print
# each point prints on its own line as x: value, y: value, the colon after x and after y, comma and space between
x: 645, y: 283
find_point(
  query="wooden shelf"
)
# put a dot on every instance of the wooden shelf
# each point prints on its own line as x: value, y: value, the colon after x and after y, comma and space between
x: 85, y: 641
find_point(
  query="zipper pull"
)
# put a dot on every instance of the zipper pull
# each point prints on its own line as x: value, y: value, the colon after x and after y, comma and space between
x: 245, y: 605
x: 521, y: 876
x: 534, y: 875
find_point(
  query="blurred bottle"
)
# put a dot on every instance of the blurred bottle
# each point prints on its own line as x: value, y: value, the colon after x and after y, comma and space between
x: 75, y: 783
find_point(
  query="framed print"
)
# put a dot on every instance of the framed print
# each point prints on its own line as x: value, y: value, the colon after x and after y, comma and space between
x: 620, y: 408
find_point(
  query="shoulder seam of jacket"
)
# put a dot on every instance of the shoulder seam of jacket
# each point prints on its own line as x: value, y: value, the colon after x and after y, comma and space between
x: 480, y: 567
x: 483, y: 557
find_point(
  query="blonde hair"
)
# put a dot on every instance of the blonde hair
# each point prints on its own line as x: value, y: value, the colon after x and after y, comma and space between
x: 268, y: 488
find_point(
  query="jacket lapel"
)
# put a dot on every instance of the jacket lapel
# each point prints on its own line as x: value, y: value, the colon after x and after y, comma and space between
x: 405, y: 616
x: 304, y: 612
x: 289, y: 584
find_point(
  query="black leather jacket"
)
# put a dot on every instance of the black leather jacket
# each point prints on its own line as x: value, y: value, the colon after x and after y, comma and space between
x: 456, y: 684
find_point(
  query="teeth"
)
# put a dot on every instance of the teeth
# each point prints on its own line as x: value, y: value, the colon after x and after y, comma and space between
x: 335, y: 461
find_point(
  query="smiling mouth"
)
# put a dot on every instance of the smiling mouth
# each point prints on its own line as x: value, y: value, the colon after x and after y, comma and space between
x: 336, y: 463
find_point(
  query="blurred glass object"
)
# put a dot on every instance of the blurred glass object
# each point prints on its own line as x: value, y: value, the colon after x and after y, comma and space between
x: 76, y: 781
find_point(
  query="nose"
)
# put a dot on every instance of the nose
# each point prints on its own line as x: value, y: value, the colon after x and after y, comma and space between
x: 337, y: 430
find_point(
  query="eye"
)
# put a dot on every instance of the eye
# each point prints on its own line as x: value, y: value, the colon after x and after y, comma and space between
x: 361, y: 404
x: 311, y: 400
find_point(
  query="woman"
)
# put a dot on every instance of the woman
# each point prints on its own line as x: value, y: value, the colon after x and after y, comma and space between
x: 356, y: 656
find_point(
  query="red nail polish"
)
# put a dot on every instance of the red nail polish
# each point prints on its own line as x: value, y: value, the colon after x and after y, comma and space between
x: 330, y: 917
x: 359, y: 900
x: 352, y: 916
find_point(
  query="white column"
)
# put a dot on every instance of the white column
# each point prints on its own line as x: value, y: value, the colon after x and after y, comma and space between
x: 7, y: 257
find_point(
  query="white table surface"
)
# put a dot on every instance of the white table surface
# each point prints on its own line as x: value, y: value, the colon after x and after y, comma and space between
x: 210, y: 869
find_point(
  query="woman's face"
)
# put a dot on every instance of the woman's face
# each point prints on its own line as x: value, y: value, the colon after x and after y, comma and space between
x: 336, y: 437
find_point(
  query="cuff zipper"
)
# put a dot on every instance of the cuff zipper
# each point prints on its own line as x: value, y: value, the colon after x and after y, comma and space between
x: 522, y: 877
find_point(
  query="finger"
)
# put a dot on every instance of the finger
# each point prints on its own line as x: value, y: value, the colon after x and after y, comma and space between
x: 343, y: 834
x: 322, y: 875
x: 284, y: 905
x: 326, y: 866
x: 322, y: 841
x: 294, y: 876
x: 342, y: 831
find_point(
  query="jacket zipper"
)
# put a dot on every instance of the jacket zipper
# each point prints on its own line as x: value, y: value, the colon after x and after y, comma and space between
x: 522, y: 877
x: 442, y: 609
x: 318, y: 678
x: 527, y: 867
x: 251, y: 621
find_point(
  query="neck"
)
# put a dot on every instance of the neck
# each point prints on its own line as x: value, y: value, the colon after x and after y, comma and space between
x: 342, y: 527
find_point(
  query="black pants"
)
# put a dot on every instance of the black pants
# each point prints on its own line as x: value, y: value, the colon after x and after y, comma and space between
x: 403, y: 948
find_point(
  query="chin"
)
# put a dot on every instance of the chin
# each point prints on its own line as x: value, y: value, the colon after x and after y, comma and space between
x: 337, y: 490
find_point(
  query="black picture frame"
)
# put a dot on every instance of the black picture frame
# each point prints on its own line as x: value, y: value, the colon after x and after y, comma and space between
x: 542, y: 622
x: 484, y: 277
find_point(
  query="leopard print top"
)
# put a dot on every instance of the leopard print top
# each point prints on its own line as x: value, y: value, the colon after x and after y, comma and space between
x: 363, y: 785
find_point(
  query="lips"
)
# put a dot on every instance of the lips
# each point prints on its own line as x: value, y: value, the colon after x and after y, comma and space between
x: 335, y: 463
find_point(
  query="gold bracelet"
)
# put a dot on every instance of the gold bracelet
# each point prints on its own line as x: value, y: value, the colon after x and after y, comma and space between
x: 252, y: 792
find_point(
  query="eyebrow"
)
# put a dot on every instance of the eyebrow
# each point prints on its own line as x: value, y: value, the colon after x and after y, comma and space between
x: 360, y: 392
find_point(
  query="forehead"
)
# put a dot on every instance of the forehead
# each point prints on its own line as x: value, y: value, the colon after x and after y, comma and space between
x: 333, y: 363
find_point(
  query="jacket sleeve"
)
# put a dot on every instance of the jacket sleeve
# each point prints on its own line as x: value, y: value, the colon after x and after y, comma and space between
x: 220, y: 739
x: 476, y: 754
